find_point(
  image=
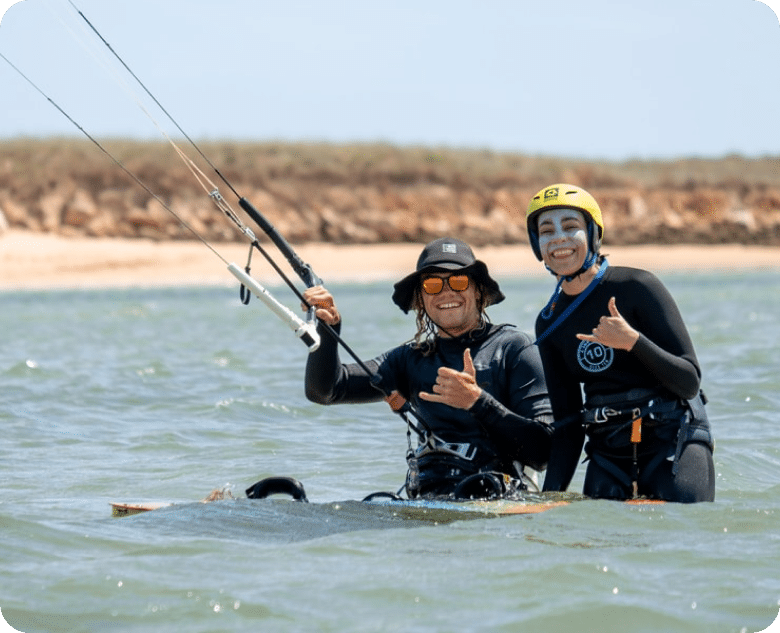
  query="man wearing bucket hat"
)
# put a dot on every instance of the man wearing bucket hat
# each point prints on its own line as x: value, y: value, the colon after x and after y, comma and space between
x: 477, y: 389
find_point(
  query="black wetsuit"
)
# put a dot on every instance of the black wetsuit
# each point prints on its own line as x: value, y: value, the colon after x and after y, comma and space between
x: 661, y: 369
x: 510, y: 421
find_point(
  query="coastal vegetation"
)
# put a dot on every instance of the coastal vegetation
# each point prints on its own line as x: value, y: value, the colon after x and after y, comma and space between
x: 375, y: 193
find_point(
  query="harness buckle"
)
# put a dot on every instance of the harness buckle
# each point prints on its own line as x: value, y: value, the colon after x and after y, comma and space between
x: 602, y: 414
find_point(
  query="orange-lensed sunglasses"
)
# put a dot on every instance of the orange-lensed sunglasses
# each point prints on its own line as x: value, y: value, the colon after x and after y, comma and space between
x: 434, y: 285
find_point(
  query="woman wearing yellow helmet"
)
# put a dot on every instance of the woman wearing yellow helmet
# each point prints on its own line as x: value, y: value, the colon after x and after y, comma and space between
x: 616, y: 335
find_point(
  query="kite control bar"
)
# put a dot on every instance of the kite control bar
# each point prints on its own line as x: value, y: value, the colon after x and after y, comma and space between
x: 307, y: 332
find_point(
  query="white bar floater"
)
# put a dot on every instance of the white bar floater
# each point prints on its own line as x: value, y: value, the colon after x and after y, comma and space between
x: 307, y: 332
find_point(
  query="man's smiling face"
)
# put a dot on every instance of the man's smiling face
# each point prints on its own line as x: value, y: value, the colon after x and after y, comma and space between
x: 454, y: 312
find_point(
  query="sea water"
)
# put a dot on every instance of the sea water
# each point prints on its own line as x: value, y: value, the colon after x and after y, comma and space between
x: 166, y: 394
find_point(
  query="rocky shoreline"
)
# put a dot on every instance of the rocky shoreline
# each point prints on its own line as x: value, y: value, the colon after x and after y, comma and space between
x: 377, y: 194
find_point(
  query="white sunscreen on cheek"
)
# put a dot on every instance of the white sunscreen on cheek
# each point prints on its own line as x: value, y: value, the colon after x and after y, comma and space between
x: 560, y: 225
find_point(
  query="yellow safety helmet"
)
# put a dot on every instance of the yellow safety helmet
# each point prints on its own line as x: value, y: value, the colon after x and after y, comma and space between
x: 563, y: 196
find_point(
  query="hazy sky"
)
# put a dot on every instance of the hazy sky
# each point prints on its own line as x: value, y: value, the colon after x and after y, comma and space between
x: 591, y: 79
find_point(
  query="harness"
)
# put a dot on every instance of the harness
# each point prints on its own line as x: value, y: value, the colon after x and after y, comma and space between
x: 675, y: 420
x: 439, y: 468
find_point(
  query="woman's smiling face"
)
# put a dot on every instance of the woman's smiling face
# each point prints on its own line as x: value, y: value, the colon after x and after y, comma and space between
x: 563, y: 240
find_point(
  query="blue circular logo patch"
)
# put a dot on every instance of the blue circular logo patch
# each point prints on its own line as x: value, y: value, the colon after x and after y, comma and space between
x: 594, y: 357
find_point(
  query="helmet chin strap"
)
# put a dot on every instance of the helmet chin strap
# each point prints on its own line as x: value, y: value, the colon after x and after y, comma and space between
x: 590, y: 259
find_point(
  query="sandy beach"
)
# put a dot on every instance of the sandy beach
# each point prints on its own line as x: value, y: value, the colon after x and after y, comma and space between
x: 44, y: 261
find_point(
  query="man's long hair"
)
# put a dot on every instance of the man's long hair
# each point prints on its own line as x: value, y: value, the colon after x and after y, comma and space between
x: 427, y: 330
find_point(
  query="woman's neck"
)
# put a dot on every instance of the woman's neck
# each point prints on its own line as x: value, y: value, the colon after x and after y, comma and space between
x: 581, y: 281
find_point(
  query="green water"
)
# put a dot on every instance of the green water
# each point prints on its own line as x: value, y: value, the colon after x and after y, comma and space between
x: 169, y: 394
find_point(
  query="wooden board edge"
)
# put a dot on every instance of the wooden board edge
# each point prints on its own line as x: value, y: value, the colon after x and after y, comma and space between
x: 128, y: 509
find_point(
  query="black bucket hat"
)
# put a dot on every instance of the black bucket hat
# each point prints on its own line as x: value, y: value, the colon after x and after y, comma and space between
x: 447, y: 255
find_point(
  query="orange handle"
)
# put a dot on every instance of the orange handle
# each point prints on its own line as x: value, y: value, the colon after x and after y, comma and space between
x: 636, y: 431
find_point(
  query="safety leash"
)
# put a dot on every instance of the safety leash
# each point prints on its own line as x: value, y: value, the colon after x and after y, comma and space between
x: 636, y: 438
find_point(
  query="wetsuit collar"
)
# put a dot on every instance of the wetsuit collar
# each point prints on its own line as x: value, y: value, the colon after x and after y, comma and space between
x: 479, y: 333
